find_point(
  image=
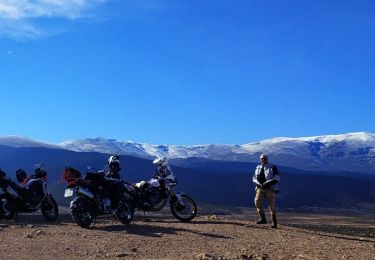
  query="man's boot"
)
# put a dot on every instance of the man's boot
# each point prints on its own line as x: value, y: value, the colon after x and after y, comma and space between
x: 274, y: 222
x: 262, y: 219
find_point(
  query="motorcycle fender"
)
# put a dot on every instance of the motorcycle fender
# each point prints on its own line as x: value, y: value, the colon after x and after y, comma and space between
x: 179, y: 198
x: 74, y: 202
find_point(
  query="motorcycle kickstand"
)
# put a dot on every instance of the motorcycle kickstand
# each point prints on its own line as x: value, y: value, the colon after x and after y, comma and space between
x: 146, y: 218
x: 94, y: 221
x: 17, y: 217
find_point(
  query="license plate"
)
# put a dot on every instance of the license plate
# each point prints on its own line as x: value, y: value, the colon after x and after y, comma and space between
x: 68, y: 193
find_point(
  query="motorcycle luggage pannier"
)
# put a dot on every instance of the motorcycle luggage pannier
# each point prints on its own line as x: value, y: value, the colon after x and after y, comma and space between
x: 70, y: 173
x: 96, y: 179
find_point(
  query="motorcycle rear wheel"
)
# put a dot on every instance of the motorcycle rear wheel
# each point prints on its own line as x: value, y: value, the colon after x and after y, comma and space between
x: 82, y: 212
x: 49, y: 209
x: 184, y: 213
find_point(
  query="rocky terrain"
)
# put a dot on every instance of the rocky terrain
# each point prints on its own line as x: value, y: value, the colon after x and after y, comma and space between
x: 209, y: 236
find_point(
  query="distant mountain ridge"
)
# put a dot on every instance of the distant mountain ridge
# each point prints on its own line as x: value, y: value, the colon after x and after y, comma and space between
x: 17, y: 141
x: 352, y: 152
x: 214, y: 182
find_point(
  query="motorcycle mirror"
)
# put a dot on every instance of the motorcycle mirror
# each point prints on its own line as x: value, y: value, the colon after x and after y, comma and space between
x: 90, y: 168
x: 38, y: 166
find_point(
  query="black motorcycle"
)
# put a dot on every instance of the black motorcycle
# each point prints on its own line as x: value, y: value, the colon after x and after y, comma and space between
x: 156, y: 193
x: 15, y: 199
x: 96, y: 195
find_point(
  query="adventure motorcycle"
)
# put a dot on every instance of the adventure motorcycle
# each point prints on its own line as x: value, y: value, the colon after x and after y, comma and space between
x: 95, y: 195
x: 15, y: 199
x: 156, y: 193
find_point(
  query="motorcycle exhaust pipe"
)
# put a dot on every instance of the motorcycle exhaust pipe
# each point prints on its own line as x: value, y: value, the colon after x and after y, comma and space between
x: 12, y: 192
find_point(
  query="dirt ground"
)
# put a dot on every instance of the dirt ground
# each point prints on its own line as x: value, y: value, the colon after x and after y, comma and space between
x: 208, y: 236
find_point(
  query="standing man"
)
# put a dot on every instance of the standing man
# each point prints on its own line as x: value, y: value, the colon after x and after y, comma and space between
x: 266, y: 178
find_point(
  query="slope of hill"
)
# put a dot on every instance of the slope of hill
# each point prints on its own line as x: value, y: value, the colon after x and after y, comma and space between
x: 17, y: 141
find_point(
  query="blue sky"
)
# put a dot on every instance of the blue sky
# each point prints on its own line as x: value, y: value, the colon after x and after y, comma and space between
x: 186, y: 72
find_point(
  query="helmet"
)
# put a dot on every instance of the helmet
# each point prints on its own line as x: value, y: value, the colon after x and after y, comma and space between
x: 114, y: 162
x: 162, y: 161
x: 113, y: 158
x: 39, y: 173
x: 21, y: 175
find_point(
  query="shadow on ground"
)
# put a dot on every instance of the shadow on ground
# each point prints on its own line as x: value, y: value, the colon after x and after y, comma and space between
x: 37, y: 220
x: 338, y: 231
x: 146, y: 228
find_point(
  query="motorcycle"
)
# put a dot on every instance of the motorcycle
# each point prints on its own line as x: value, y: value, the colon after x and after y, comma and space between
x: 15, y: 199
x: 89, y: 201
x: 156, y: 193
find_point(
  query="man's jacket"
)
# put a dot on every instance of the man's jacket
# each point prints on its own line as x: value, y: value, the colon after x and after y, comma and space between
x: 270, y: 178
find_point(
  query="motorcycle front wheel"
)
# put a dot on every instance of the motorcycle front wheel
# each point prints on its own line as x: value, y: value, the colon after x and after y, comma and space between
x: 124, y: 212
x: 82, y: 212
x: 184, y: 212
x: 49, y: 208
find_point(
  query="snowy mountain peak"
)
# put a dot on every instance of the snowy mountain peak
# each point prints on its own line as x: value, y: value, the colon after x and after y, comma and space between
x: 102, y: 145
x: 346, y: 152
x: 357, y: 136
x: 18, y: 141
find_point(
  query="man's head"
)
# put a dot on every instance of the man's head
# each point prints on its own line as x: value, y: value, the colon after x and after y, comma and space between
x: 21, y: 175
x: 263, y: 159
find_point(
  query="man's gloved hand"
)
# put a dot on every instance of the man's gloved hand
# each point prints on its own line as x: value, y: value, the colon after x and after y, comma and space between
x: 266, y: 185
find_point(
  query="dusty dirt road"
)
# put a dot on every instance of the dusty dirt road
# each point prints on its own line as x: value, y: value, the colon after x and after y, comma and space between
x: 299, y: 236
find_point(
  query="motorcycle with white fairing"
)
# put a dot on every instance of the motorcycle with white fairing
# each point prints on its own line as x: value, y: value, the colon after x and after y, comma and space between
x: 154, y: 195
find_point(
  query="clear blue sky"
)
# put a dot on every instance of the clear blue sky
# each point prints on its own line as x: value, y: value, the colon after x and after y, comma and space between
x: 186, y: 72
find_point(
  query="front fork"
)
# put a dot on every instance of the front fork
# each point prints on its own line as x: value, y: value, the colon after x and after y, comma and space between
x: 47, y: 198
x: 178, y: 196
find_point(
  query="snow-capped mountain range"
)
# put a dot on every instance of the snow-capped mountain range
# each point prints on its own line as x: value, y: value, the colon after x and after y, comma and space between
x: 352, y: 152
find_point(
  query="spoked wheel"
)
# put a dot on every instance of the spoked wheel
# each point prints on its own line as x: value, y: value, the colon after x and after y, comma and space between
x: 82, y: 212
x: 184, y: 212
x: 49, y: 208
x: 124, y: 212
x: 6, y: 211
